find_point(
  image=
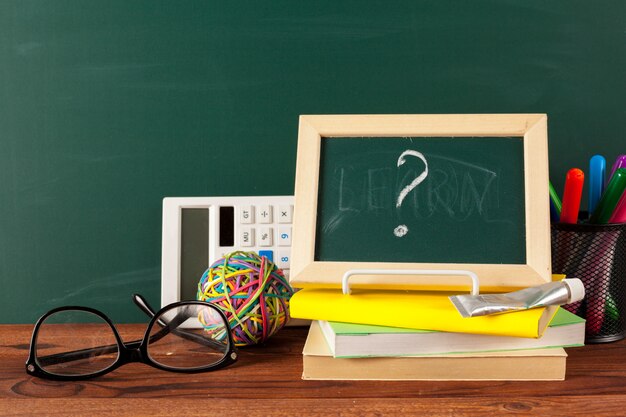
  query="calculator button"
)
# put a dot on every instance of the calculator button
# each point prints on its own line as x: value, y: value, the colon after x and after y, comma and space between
x: 284, y: 236
x: 264, y: 214
x: 265, y: 236
x: 284, y: 258
x: 246, y: 236
x: 285, y: 214
x: 269, y: 254
x: 246, y: 214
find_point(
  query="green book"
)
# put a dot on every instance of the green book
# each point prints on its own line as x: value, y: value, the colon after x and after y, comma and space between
x: 347, y: 340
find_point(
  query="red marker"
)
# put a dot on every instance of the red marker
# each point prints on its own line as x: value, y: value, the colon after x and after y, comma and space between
x: 571, y: 195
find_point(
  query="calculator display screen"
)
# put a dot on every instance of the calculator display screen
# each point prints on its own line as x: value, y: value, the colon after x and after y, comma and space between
x: 194, y: 249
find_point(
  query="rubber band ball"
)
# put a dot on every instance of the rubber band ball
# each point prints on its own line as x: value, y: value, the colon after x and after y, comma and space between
x: 252, y: 293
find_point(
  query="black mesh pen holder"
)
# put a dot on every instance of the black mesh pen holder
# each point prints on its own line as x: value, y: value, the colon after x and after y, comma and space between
x: 597, y: 255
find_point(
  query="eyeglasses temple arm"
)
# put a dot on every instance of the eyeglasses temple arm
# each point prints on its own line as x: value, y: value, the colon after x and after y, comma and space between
x: 172, y: 327
x: 75, y: 355
x: 143, y: 304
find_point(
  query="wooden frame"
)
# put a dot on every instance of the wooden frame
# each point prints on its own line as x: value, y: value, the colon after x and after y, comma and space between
x: 306, y: 272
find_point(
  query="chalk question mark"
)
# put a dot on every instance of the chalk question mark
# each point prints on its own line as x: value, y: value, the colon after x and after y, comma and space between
x: 402, y: 229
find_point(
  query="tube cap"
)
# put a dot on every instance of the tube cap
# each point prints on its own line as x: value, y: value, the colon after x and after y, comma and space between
x: 576, y: 289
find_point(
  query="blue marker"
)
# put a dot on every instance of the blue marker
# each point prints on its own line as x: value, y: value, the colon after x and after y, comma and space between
x: 597, y: 172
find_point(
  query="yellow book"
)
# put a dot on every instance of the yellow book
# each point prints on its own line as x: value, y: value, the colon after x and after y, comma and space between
x: 413, y: 310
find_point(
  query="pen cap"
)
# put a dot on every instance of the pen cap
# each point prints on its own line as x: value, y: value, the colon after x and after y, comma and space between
x: 576, y: 289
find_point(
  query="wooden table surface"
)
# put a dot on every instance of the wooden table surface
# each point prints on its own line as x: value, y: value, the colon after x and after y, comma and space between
x: 267, y: 381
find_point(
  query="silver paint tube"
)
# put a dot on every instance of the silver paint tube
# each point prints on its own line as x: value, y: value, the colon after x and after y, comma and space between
x: 553, y: 293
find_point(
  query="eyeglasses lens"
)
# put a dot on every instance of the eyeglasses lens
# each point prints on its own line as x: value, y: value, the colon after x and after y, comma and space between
x: 75, y: 343
x: 188, y: 337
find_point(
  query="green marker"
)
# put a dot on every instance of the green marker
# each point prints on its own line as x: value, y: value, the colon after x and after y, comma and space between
x: 610, y: 198
x: 611, y: 308
x: 555, y: 198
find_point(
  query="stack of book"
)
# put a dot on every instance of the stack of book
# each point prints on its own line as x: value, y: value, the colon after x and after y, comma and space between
x: 525, y: 345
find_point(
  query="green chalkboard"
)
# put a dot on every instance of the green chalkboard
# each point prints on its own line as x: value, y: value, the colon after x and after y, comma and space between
x: 452, y: 200
x: 107, y: 107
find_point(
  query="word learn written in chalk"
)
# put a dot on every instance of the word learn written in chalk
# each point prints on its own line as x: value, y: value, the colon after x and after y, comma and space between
x: 452, y: 188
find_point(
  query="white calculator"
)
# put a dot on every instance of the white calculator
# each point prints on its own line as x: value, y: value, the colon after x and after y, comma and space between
x: 199, y: 230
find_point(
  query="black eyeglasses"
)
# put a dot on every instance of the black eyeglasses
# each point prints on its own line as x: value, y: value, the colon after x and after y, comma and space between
x: 71, y: 343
